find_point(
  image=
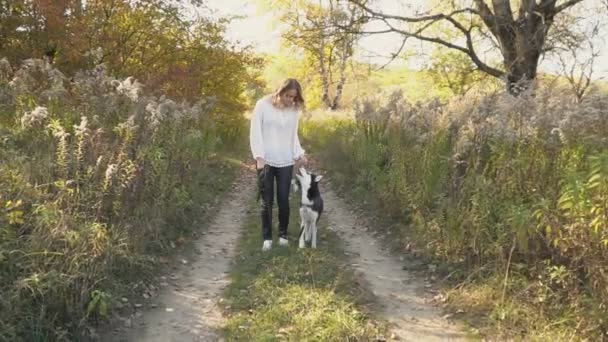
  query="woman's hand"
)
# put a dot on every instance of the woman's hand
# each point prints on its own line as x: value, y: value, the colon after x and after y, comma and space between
x: 301, y: 161
x: 260, y: 163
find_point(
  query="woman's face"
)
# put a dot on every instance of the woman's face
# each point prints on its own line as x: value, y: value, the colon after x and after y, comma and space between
x: 288, y: 98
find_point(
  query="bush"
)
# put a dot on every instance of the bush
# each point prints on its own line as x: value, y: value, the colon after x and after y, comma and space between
x: 492, y: 181
x: 97, y: 180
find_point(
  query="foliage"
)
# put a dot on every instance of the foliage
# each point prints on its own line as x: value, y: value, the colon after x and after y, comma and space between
x: 453, y: 71
x: 522, y: 31
x: 151, y: 40
x: 313, y: 29
x: 98, y: 178
x: 497, y: 185
x: 365, y: 80
x: 300, y: 295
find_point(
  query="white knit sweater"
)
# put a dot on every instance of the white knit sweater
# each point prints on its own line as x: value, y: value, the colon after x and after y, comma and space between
x: 273, y: 134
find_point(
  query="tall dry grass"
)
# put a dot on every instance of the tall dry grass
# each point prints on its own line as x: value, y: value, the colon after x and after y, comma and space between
x: 98, y: 180
x: 511, y: 191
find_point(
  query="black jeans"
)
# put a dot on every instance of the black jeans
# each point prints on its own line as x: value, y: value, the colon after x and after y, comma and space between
x: 266, y: 180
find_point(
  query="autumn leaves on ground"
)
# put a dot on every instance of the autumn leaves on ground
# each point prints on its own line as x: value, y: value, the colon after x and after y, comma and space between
x: 456, y: 209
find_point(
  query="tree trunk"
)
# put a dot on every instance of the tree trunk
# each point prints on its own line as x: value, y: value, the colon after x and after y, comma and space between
x: 336, y: 103
x: 325, y: 87
x: 340, y: 87
x: 520, y: 74
x: 521, y: 40
x: 324, y: 73
x: 522, y: 53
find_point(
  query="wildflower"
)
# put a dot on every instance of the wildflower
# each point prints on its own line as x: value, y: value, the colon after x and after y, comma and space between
x: 110, y: 172
x: 82, y: 129
x: 130, y: 88
x: 35, y: 118
x: 96, y: 55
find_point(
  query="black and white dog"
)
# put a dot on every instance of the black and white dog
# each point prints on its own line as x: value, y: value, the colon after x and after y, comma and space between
x: 311, y: 206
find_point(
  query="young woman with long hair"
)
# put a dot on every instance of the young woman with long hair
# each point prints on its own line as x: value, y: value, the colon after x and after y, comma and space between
x: 275, y: 146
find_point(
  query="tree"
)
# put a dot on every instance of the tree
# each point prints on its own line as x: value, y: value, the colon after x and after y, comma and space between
x: 521, y: 36
x: 314, y: 28
x: 34, y: 28
x: 150, y: 40
x: 454, y: 71
x: 577, y: 58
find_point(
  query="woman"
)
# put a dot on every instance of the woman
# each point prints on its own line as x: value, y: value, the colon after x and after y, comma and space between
x: 275, y: 146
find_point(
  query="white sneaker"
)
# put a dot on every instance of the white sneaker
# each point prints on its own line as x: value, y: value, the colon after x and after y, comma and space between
x: 267, y: 245
x: 283, y: 242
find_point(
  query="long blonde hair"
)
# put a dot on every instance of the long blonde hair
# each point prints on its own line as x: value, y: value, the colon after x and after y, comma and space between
x: 289, y: 84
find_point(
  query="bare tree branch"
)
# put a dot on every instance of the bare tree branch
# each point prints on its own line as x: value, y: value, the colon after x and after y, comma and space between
x: 521, y: 40
x: 487, y: 16
x: 434, y: 17
x: 313, y: 28
x: 502, y: 10
x: 566, y: 4
x: 576, y: 68
x: 394, y: 55
x: 430, y: 20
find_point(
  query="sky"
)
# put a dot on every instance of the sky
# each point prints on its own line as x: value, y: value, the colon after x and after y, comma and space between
x: 257, y: 29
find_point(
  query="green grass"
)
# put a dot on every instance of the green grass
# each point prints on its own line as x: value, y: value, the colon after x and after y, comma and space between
x: 473, y: 295
x: 44, y: 306
x: 518, y: 307
x: 296, y: 295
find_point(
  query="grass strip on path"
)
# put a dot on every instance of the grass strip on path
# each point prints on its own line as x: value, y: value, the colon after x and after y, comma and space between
x: 296, y: 295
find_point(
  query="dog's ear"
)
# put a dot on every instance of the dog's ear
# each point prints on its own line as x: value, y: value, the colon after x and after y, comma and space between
x: 318, y: 178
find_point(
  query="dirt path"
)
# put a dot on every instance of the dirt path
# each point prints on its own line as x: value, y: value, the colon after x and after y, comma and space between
x: 186, y: 308
x: 402, y: 296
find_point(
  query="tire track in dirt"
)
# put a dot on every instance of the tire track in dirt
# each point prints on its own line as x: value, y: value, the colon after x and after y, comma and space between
x: 186, y: 308
x: 402, y: 296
